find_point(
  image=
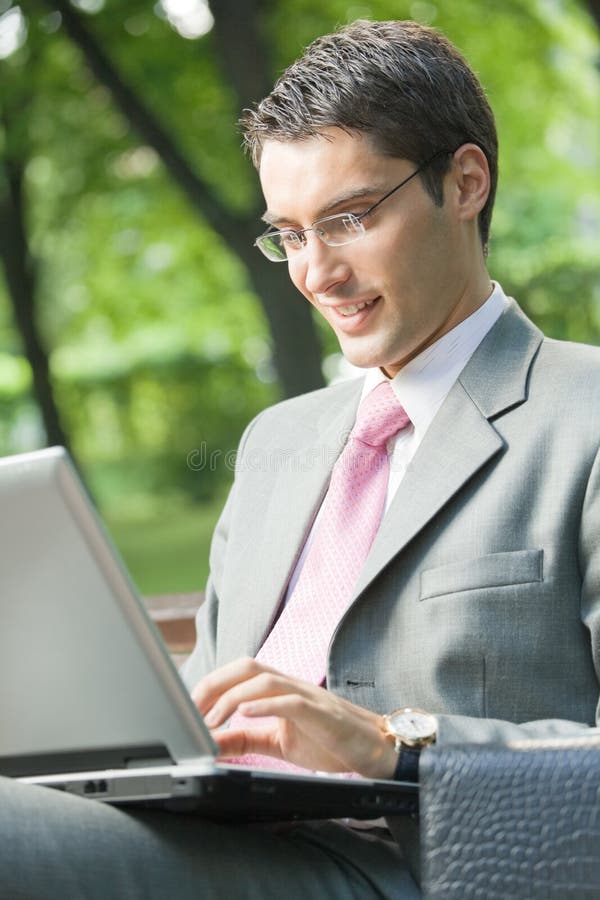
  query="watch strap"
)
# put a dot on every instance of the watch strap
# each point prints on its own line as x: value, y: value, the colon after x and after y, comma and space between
x: 407, y: 767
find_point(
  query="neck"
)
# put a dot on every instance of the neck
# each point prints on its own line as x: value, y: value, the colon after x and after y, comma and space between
x: 458, y: 313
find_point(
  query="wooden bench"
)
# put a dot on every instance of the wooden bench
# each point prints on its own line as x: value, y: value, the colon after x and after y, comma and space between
x: 174, y: 615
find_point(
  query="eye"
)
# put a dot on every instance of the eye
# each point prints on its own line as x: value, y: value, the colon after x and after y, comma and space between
x: 290, y: 239
x: 339, y: 229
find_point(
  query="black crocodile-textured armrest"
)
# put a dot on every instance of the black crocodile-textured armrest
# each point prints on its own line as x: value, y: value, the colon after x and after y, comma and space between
x: 511, y: 823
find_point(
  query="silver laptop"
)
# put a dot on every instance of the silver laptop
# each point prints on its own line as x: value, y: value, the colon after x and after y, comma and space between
x: 90, y: 702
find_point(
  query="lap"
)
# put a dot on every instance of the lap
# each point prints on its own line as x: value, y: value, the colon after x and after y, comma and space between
x: 56, y: 846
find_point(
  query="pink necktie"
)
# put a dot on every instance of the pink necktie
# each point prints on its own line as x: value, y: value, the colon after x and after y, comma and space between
x: 298, y: 642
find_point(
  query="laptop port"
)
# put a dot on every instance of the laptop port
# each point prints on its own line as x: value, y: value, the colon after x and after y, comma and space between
x: 95, y: 787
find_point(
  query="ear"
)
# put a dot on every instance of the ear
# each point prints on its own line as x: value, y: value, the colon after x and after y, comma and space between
x: 471, y: 175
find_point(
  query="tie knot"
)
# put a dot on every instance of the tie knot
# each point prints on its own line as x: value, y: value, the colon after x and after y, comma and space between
x: 380, y: 416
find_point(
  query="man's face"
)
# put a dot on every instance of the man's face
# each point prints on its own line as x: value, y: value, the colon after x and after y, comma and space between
x: 403, y: 283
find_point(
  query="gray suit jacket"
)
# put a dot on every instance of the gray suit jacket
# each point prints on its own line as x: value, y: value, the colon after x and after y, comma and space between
x: 480, y: 598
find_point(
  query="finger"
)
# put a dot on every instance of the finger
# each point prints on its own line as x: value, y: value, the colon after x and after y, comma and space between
x: 303, y: 711
x: 305, y: 728
x: 208, y: 690
x: 267, y: 741
x: 264, y: 685
x: 317, y: 710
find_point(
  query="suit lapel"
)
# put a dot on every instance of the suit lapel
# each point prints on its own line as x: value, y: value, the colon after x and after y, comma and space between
x: 461, y: 438
x: 457, y: 444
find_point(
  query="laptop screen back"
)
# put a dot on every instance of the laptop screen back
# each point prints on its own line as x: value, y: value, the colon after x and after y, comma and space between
x: 82, y: 667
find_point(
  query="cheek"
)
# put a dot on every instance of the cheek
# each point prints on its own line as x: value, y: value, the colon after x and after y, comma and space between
x: 297, y: 274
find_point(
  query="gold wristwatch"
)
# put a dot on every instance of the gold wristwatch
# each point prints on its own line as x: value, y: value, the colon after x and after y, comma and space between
x: 411, y: 729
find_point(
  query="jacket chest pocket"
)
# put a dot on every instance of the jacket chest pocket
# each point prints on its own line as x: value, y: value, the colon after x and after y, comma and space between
x: 491, y: 571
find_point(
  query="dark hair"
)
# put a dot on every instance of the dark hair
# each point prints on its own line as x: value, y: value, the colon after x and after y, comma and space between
x: 402, y: 84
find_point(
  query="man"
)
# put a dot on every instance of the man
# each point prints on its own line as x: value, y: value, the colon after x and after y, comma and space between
x: 457, y: 572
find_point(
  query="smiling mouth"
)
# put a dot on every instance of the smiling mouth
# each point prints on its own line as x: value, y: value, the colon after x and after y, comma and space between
x: 355, y: 307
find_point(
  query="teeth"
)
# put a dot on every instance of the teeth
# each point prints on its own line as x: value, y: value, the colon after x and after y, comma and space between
x: 352, y: 310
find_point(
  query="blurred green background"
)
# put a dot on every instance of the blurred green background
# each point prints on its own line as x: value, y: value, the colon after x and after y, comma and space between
x: 138, y: 325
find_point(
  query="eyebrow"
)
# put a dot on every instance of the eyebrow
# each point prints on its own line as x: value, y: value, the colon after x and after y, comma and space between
x: 357, y: 194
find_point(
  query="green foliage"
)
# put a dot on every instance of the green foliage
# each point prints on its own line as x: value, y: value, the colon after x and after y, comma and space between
x: 563, y: 299
x: 165, y: 544
x: 155, y: 433
x: 158, y: 346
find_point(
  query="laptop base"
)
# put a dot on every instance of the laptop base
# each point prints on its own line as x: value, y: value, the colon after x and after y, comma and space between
x: 240, y: 795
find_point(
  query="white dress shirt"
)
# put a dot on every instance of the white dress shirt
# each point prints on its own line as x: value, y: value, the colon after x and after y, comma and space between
x: 421, y: 387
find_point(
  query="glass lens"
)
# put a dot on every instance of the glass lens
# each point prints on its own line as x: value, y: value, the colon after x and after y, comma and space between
x: 279, y: 245
x: 271, y: 246
x: 343, y: 228
x: 340, y: 229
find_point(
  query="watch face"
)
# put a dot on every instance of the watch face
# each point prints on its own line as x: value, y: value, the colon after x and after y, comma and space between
x: 412, y: 724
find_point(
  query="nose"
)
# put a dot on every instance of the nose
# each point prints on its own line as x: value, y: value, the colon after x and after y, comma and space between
x: 321, y: 267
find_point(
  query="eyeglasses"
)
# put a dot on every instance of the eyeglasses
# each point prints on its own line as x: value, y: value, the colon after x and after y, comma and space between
x: 335, y: 231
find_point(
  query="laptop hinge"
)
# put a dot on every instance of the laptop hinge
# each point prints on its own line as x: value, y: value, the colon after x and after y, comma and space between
x: 85, y: 760
x: 147, y: 762
x: 146, y: 755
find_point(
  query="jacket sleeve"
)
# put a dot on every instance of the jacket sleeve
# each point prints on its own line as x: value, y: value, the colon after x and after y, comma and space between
x: 203, y: 658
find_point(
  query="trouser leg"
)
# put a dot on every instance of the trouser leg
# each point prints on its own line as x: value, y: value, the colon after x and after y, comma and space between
x: 57, y: 847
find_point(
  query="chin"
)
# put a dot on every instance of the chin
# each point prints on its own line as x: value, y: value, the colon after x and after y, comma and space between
x: 365, y: 360
x: 358, y: 362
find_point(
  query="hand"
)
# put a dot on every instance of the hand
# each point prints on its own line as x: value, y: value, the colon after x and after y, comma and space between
x: 312, y: 727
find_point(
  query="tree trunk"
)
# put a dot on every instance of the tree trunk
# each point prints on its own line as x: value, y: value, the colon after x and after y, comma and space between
x: 593, y: 7
x: 243, y: 56
x: 286, y: 311
x: 295, y: 343
x: 241, y: 49
x: 20, y: 279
